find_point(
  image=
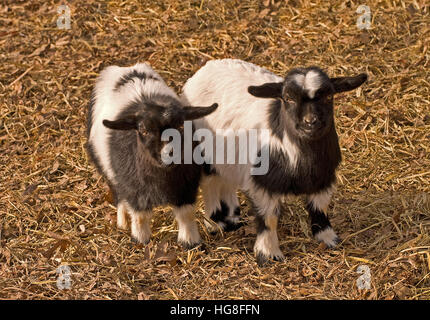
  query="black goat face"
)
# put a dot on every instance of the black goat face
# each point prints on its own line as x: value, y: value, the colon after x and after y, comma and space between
x: 307, y: 95
x: 312, y: 118
x: 150, y: 121
x: 308, y: 99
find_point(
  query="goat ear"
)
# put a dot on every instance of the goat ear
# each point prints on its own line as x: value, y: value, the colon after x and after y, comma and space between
x: 267, y: 90
x: 348, y: 83
x: 192, y: 113
x: 128, y: 123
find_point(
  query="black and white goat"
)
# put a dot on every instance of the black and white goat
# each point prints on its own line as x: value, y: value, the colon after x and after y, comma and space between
x: 129, y: 110
x: 303, y: 145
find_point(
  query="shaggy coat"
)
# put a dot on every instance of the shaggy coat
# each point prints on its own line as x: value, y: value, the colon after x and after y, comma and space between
x: 129, y: 110
x: 302, y: 145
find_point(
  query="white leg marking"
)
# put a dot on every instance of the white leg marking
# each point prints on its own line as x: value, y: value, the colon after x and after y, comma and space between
x: 121, y: 216
x: 140, y: 228
x: 211, y: 188
x: 267, y: 244
x: 328, y: 236
x: 229, y: 196
x: 320, y: 201
x: 188, y: 230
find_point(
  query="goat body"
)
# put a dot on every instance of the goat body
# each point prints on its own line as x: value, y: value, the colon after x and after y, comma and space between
x: 303, y: 145
x: 129, y: 110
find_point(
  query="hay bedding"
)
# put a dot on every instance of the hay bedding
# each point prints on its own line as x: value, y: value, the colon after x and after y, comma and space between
x: 53, y: 205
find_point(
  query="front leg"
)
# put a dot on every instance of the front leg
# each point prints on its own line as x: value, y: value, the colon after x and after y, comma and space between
x: 317, y: 205
x: 266, y: 216
x: 140, y: 224
x: 188, y: 235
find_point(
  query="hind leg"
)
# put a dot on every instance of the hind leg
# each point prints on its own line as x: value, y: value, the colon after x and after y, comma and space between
x: 188, y: 235
x: 221, y: 203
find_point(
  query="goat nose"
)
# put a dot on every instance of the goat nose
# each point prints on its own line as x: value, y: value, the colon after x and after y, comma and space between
x: 310, y: 119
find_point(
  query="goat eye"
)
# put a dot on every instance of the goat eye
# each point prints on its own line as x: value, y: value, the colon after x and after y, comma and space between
x: 328, y: 98
x: 289, y: 101
x: 143, y: 132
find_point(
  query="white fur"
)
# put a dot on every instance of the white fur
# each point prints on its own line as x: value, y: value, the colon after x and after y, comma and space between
x: 328, y: 236
x: 320, y: 201
x: 226, y: 82
x: 299, y: 79
x: 312, y: 83
x: 264, y: 201
x: 121, y: 220
x: 110, y: 102
x: 188, y: 230
x: 214, y: 189
x: 286, y: 145
x: 267, y: 244
x: 140, y: 225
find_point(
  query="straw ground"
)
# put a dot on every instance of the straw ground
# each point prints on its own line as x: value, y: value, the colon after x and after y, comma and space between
x: 53, y: 206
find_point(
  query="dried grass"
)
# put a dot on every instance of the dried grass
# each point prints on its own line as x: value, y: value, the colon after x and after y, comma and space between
x: 53, y: 208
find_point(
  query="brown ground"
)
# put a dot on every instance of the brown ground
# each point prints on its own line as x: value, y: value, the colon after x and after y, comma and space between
x: 53, y: 206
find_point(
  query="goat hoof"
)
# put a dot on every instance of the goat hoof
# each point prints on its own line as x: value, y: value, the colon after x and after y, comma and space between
x: 226, y: 226
x: 230, y: 226
x: 189, y: 245
x: 137, y: 241
x: 328, y: 236
x: 335, y: 242
x: 264, y: 260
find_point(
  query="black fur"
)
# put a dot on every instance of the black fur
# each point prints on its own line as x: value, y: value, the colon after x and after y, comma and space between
x: 209, y: 169
x: 267, y: 90
x: 133, y: 74
x: 342, y: 84
x: 319, y: 220
x: 139, y: 180
x: 314, y: 172
x: 145, y: 185
x: 277, y: 119
x: 237, y: 212
x: 221, y: 214
x: 230, y: 226
x: 261, y: 224
x: 317, y: 141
